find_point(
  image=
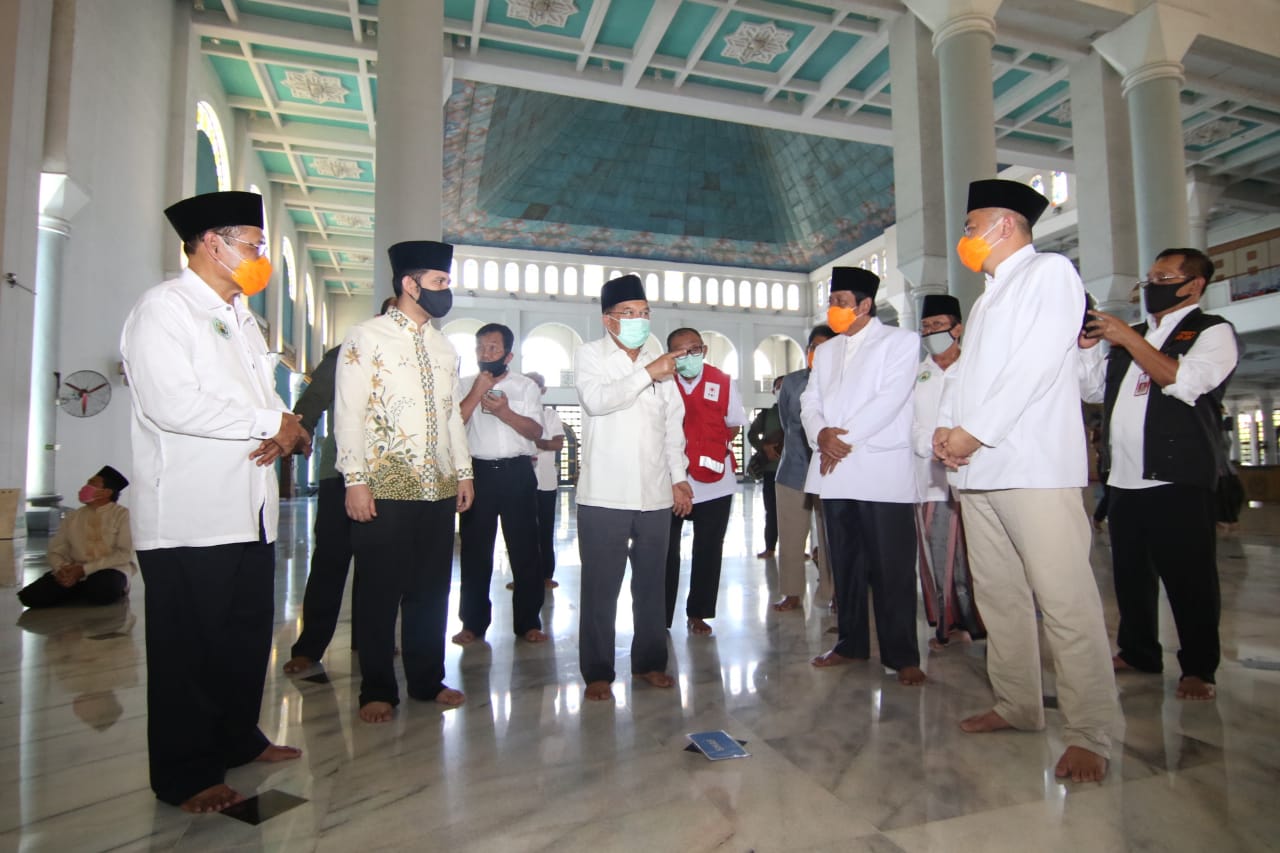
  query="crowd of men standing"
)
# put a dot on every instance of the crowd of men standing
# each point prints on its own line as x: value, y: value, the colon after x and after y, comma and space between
x: 969, y: 466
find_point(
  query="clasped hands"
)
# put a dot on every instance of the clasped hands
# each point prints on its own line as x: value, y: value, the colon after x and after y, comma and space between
x: 292, y: 438
x: 952, y: 446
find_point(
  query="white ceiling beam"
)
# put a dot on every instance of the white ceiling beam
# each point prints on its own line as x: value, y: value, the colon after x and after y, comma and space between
x: 478, y: 14
x: 232, y: 10
x: 801, y: 54
x: 1227, y: 161
x: 336, y: 141
x: 328, y: 201
x: 289, y: 35
x: 655, y: 27
x: 700, y: 46
x: 287, y: 108
x: 590, y: 32
x: 849, y: 66
x: 1025, y: 91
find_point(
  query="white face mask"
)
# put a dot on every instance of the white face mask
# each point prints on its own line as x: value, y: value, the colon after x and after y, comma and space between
x: 938, y: 342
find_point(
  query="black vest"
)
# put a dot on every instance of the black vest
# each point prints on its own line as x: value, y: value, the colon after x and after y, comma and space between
x: 1181, y: 443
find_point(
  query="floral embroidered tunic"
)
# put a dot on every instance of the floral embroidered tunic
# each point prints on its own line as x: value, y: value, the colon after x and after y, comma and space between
x: 397, y: 423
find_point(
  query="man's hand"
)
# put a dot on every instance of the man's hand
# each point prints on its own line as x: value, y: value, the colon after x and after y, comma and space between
x: 360, y: 505
x: 663, y: 367
x: 69, y: 575
x: 682, y: 498
x: 772, y: 452
x: 292, y: 438
x: 953, y: 447
x: 495, y: 404
x: 466, y: 494
x: 1107, y: 327
x: 829, y: 443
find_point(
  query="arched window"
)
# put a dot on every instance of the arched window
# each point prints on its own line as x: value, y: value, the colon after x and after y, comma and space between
x: 470, y: 274
x: 290, y: 290
x: 490, y: 279
x: 311, y: 301
x: 728, y: 292
x: 511, y: 277
x: 775, y: 297
x: 614, y: 274
x: 208, y: 126
x: 695, y: 290
x: 875, y: 264
x: 762, y: 295
x: 258, y: 302
x: 324, y: 324
x: 531, y: 276
x: 793, y: 297
x: 673, y: 286
x: 1037, y: 183
x: 546, y: 356
x: 592, y: 279
x: 713, y: 292
x: 571, y: 281
x: 1059, y: 189
x: 744, y: 294
x: 551, y: 279
x: 652, y: 288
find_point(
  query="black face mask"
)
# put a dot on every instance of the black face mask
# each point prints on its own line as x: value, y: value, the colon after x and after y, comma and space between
x: 435, y: 302
x: 1159, y: 298
x: 497, y: 368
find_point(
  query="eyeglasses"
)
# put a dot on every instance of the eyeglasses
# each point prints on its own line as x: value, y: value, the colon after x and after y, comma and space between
x: 259, y: 249
x: 928, y: 329
x: 696, y: 350
x: 628, y: 314
x: 1169, y: 279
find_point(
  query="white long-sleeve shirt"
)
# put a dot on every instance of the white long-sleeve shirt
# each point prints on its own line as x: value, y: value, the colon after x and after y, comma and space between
x: 1015, y: 387
x: 1204, y: 367
x: 632, y: 429
x: 96, y: 538
x: 203, y: 398
x: 931, y: 475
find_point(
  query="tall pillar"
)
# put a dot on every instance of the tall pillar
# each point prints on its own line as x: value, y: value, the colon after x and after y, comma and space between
x: 1233, y: 446
x: 964, y: 31
x: 1254, y: 446
x: 410, y: 130
x: 1267, y: 405
x: 921, y: 227
x: 1147, y: 50
x: 1109, y: 263
x: 1203, y: 193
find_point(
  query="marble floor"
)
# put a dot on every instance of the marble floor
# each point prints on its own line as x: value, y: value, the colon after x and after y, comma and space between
x: 841, y: 760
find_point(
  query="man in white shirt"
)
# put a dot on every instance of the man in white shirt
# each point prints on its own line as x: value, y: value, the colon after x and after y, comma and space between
x: 548, y: 474
x: 1161, y: 386
x: 944, y: 566
x: 402, y: 451
x: 1011, y: 429
x: 632, y: 479
x: 856, y: 411
x: 503, y: 414
x: 91, y: 554
x: 713, y: 414
x: 206, y: 426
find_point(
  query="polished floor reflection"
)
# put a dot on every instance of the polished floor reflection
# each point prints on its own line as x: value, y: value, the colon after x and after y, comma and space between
x: 842, y: 760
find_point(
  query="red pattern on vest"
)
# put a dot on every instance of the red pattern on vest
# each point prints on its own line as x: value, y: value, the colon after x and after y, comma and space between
x: 706, y: 438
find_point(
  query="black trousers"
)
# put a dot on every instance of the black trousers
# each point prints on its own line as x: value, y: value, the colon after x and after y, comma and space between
x: 873, y: 544
x: 330, y: 562
x: 506, y: 490
x: 547, y: 532
x: 770, y: 510
x: 209, y: 617
x: 1166, y: 533
x: 710, y: 521
x: 105, y: 586
x: 404, y: 559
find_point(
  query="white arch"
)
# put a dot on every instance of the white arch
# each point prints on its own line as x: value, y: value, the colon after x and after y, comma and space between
x: 549, y: 349
x: 207, y: 123
x: 470, y: 274
x: 531, y: 279
x: 489, y: 281
x: 776, y: 355
x: 721, y: 352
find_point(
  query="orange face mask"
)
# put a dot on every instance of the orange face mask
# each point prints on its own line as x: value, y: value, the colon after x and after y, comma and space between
x: 974, y: 251
x: 840, y: 319
x: 251, y: 274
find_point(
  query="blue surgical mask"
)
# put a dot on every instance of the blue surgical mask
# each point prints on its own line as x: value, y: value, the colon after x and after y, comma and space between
x: 633, y: 332
x: 689, y: 366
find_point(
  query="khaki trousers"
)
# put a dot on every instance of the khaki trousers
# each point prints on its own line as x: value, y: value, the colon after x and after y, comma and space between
x: 1036, y: 541
x: 794, y: 511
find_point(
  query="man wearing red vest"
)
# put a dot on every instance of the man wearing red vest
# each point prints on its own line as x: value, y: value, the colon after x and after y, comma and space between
x: 713, y: 414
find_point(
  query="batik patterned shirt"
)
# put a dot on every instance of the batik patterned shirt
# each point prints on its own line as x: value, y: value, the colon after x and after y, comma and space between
x: 398, y: 427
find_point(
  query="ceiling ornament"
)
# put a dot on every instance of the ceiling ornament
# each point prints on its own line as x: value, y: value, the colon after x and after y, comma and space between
x: 353, y: 220
x: 1061, y: 113
x: 1212, y: 133
x: 336, y: 167
x: 314, y: 87
x: 756, y: 43
x: 542, y: 13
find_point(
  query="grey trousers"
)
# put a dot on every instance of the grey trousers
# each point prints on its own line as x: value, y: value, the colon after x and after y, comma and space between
x: 606, y: 539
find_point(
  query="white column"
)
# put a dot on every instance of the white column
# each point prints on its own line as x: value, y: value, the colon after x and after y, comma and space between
x: 1254, y: 446
x: 1203, y: 193
x: 410, y: 129
x: 1267, y: 405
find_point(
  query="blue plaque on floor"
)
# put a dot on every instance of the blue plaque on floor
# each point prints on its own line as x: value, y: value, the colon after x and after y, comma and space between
x: 263, y: 807
x: 718, y: 745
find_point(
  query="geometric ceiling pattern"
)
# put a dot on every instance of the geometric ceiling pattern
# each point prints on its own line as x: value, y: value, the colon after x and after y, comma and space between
x: 791, y: 75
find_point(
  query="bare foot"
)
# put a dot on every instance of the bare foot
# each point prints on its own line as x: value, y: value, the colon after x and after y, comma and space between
x: 511, y: 585
x: 832, y: 658
x: 912, y: 676
x: 297, y: 664
x: 699, y: 627
x: 377, y: 712
x: 465, y: 637
x: 1119, y: 664
x: 450, y: 698
x: 937, y: 645
x: 787, y: 602
x: 279, y: 753
x: 212, y: 799
x: 1195, y: 689
x: 988, y: 721
x: 767, y: 552
x: 657, y: 679
x: 550, y: 584
x: 533, y: 635
x: 599, y: 691
x: 1081, y: 765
